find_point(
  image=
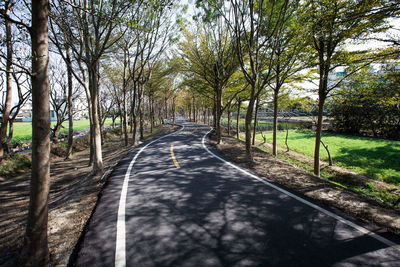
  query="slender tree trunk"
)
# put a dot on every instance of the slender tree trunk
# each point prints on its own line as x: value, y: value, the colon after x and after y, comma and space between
x: 35, y: 251
x: 318, y: 135
x: 255, y: 121
x: 238, y: 120
x: 275, y: 125
x: 68, y: 154
x: 229, y: 121
x: 141, y: 121
x: 124, y: 118
x: 173, y: 110
x: 8, y: 102
x: 194, y: 109
x: 101, y: 121
x: 10, y: 134
x: 56, y: 132
x: 218, y: 110
x: 214, y: 111
x: 248, y: 120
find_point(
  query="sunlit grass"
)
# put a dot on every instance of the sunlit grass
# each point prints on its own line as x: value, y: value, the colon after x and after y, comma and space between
x: 23, y: 130
x: 375, y: 158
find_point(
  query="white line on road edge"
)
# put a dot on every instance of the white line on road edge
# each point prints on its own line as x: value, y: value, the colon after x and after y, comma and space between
x: 120, y: 246
x: 333, y: 215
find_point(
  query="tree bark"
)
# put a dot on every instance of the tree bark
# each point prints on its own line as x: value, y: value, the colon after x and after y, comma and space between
x: 238, y: 120
x: 255, y: 121
x: 229, y: 121
x: 218, y: 109
x: 35, y: 251
x: 275, y: 125
x: 94, y: 90
x: 68, y: 154
x: 318, y: 136
x: 8, y: 102
x: 249, y: 118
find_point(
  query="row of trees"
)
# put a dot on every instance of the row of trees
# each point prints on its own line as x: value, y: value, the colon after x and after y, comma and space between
x: 252, y: 51
x: 112, y: 50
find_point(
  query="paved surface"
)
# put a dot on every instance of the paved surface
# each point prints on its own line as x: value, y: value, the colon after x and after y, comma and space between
x: 186, y: 207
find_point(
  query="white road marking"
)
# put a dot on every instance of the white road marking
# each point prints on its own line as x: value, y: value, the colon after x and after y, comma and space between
x: 333, y: 215
x: 120, y: 247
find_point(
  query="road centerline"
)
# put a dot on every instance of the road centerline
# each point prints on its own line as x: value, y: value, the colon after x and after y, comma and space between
x: 174, y: 158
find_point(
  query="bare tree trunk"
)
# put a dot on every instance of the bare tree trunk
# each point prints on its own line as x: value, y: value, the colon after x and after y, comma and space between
x: 255, y: 121
x: 141, y: 121
x: 173, y: 110
x: 229, y: 121
x: 68, y: 154
x: 94, y: 89
x: 56, y: 132
x: 35, y: 251
x: 318, y: 136
x: 249, y: 118
x: 218, y: 110
x: 275, y: 125
x: 194, y: 110
x: 101, y: 121
x: 8, y: 102
x: 238, y: 120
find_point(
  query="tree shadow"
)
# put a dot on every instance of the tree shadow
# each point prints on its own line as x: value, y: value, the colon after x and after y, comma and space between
x: 208, y: 214
x: 374, y: 162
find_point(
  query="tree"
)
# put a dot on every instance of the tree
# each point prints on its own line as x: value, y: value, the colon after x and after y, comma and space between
x: 254, y: 25
x: 330, y: 25
x: 212, y: 58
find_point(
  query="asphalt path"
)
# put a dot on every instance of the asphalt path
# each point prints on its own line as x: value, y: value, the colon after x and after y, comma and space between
x: 176, y: 201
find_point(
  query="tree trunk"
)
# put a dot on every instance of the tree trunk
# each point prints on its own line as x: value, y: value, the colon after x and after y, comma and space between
x: 101, y: 121
x: 124, y: 119
x: 229, y: 121
x: 218, y: 109
x: 249, y: 118
x: 8, y: 100
x: 35, y: 251
x: 238, y: 119
x: 10, y: 135
x: 173, y: 110
x: 318, y: 136
x: 56, y: 132
x: 275, y: 125
x: 255, y: 121
x: 68, y: 154
x: 94, y: 89
x: 214, y: 111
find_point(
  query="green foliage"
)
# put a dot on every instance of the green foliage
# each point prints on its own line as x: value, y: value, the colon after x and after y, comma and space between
x: 368, y: 103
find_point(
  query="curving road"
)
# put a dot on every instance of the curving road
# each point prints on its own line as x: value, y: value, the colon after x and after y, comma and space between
x: 176, y: 202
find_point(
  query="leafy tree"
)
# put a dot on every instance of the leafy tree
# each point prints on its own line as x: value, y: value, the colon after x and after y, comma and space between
x: 368, y: 103
x: 331, y: 24
x: 211, y: 57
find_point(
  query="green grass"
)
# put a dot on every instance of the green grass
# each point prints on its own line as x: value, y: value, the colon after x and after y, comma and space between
x: 23, y: 130
x: 376, y: 158
x: 265, y: 125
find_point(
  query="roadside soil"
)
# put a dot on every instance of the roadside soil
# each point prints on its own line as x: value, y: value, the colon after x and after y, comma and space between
x: 73, y: 195
x: 304, y: 183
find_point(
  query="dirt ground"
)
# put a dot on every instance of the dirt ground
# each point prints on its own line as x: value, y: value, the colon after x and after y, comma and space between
x: 73, y: 195
x: 302, y: 182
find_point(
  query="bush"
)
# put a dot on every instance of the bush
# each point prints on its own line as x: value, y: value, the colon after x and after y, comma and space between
x: 14, y: 164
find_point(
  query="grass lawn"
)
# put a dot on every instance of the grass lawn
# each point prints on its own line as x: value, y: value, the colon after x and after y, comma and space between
x: 264, y: 125
x: 23, y: 130
x: 375, y: 158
